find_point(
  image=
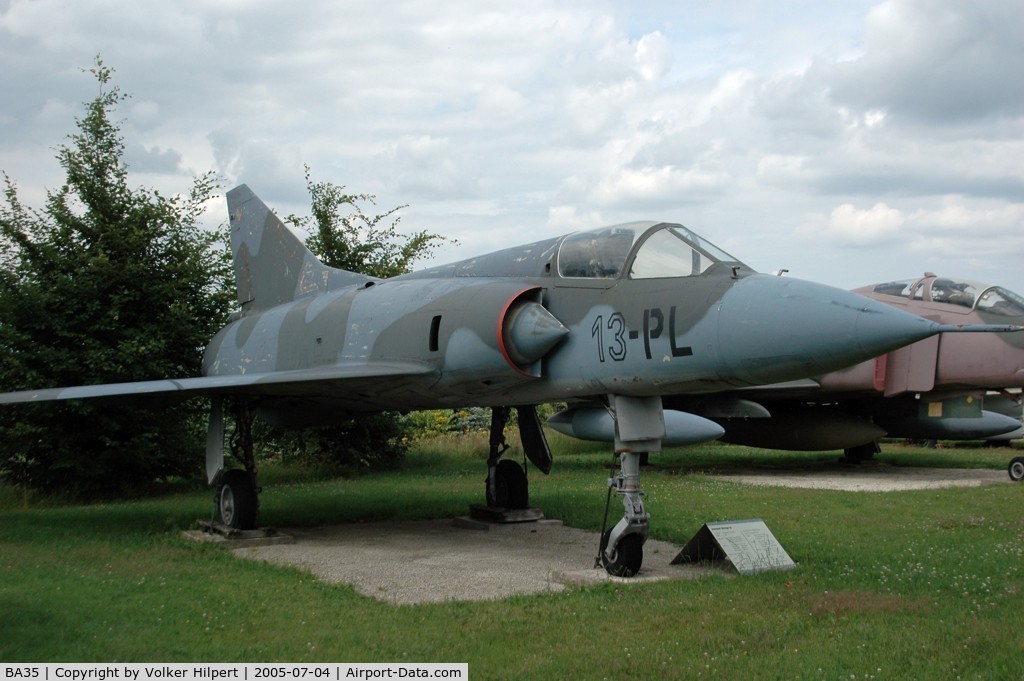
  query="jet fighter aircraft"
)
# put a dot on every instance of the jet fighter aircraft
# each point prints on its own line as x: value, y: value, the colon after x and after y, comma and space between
x: 949, y: 386
x: 616, y: 317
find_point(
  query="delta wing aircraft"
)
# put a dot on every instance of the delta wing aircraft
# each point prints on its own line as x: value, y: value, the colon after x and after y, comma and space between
x: 949, y: 386
x: 607, y: 320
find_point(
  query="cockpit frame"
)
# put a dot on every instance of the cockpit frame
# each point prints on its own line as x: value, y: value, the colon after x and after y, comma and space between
x: 638, y: 250
x: 956, y: 295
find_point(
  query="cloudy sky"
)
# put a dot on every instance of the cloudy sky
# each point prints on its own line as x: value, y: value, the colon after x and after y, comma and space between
x: 849, y: 142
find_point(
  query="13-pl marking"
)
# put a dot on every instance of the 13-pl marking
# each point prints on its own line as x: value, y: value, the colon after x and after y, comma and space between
x: 611, y: 335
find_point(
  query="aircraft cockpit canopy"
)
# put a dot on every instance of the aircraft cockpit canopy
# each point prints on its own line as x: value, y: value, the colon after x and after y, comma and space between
x: 649, y: 250
x: 969, y: 294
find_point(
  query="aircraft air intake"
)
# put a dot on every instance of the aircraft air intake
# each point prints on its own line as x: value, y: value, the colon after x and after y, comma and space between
x: 529, y: 332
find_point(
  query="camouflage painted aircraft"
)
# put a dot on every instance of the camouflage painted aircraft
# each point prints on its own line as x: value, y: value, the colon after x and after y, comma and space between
x: 608, y: 320
x: 950, y: 386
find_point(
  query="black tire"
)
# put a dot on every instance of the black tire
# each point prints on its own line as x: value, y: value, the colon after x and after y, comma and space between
x: 511, y: 489
x: 860, y: 453
x: 627, y: 557
x: 236, y: 502
x: 1016, y: 468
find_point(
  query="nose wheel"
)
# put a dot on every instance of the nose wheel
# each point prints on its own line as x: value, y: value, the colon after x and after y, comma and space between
x: 627, y: 556
x: 622, y: 547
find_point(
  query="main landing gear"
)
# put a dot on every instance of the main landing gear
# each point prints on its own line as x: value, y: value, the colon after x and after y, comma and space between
x: 507, y: 484
x: 1016, y: 468
x: 639, y: 429
x: 860, y: 453
x: 236, y: 501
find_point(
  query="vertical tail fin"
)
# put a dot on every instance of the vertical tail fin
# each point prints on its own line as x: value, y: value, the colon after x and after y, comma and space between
x: 272, y: 265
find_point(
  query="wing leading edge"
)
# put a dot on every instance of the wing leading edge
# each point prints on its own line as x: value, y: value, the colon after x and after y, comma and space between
x: 274, y: 383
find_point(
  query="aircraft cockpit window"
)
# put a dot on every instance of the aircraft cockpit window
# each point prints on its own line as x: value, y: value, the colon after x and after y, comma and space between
x: 896, y: 288
x: 1000, y: 301
x: 599, y: 254
x: 953, y: 292
x: 713, y: 251
x: 675, y: 252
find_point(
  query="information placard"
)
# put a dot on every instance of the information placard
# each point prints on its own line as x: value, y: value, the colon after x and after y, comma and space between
x: 747, y: 544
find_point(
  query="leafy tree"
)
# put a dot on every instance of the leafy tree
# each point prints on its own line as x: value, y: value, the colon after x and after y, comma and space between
x: 105, y: 284
x: 356, y: 242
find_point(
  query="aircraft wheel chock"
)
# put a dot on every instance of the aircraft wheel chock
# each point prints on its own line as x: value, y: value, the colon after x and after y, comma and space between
x: 511, y: 489
x: 627, y: 557
x: 236, y: 500
x: 1016, y: 468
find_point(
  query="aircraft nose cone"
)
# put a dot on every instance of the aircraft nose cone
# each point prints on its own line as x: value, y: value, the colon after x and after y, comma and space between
x: 774, y: 329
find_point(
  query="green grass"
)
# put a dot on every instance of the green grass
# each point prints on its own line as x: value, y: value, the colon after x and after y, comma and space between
x: 924, y: 584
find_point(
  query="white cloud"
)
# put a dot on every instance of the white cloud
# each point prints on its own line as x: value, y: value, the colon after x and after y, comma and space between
x: 653, y: 56
x: 850, y: 226
x: 656, y: 186
x: 957, y: 227
x: 794, y: 135
x: 940, y: 61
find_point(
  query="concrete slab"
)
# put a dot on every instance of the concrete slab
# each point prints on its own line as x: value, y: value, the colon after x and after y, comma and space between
x: 425, y: 561
x: 237, y: 539
x: 429, y: 561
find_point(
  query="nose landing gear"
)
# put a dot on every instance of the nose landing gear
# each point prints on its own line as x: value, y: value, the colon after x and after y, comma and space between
x: 622, y: 547
x: 639, y: 429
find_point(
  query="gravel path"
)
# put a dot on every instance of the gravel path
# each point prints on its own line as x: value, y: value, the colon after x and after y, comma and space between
x: 870, y: 478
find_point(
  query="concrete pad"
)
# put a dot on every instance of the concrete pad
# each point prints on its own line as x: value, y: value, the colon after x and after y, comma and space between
x: 429, y: 561
x: 236, y: 539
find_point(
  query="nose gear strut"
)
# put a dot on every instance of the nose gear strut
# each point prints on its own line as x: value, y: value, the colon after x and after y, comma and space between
x: 639, y: 429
